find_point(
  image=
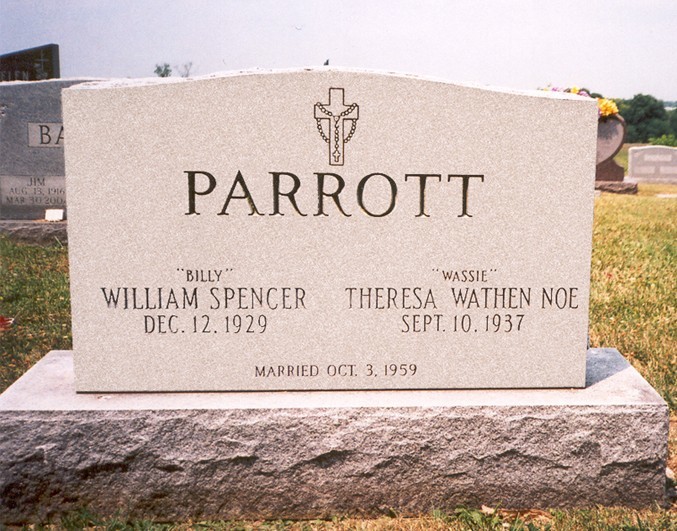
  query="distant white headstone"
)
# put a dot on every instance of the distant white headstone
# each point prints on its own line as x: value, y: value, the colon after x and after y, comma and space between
x: 652, y: 163
x: 327, y: 230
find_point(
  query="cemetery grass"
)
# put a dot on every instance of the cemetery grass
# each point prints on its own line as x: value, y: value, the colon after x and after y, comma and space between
x: 633, y: 302
x: 632, y: 308
x: 485, y: 518
x: 33, y: 291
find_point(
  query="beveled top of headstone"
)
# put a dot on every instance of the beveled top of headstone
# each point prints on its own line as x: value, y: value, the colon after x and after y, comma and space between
x: 33, y: 64
x: 327, y: 229
x: 665, y: 151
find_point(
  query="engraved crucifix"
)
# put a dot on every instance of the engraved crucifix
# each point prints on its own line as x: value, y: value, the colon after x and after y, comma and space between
x: 336, y: 112
x: 39, y: 66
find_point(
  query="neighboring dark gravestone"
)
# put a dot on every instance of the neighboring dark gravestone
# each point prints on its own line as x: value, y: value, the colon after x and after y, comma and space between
x: 610, y: 137
x: 31, y: 148
x: 609, y: 175
x: 33, y: 64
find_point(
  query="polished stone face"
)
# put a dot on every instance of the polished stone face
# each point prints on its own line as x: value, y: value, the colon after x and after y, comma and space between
x: 610, y: 137
x: 327, y: 230
x: 31, y: 148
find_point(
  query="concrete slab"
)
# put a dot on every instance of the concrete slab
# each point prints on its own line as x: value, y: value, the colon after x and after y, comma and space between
x: 317, y: 454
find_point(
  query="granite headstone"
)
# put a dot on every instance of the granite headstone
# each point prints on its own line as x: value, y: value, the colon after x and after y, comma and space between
x: 653, y: 163
x: 610, y: 138
x: 327, y: 201
x: 327, y: 230
x: 31, y: 148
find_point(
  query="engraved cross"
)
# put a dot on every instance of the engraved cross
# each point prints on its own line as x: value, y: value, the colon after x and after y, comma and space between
x: 39, y: 65
x: 337, y: 112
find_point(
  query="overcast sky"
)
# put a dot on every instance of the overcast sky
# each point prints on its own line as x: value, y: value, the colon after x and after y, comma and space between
x: 616, y: 47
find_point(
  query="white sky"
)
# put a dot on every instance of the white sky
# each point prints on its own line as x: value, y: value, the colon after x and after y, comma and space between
x: 616, y: 47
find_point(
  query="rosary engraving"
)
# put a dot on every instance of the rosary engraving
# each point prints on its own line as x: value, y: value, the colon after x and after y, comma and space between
x: 336, y: 112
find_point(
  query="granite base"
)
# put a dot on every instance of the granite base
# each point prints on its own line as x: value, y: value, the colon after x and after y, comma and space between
x: 36, y: 232
x: 319, y: 454
x: 616, y: 187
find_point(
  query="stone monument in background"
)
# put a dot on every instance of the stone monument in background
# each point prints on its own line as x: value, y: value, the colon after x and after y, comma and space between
x: 657, y: 164
x: 610, y: 138
x: 609, y: 175
x: 32, y: 182
x: 32, y: 174
x: 33, y: 64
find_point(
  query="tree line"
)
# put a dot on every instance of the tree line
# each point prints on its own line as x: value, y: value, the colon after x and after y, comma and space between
x: 648, y: 121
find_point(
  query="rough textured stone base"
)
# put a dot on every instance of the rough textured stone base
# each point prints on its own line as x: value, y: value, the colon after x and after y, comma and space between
x: 616, y: 187
x: 317, y: 454
x: 39, y: 232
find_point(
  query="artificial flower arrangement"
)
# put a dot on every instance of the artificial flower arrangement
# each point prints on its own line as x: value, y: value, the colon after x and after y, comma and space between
x: 605, y: 106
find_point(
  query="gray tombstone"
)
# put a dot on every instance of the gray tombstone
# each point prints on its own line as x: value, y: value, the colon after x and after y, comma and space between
x: 378, y: 245
x: 653, y: 163
x: 31, y: 148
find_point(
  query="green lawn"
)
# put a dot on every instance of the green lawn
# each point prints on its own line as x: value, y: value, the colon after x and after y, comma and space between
x: 632, y: 308
x: 33, y: 290
x: 633, y: 302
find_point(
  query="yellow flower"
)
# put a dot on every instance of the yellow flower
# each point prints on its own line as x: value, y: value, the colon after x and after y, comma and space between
x: 606, y: 107
x: 575, y: 90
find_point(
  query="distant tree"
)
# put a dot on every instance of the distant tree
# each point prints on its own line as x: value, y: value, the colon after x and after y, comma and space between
x: 163, y: 70
x: 645, y: 116
x: 184, y: 70
x: 665, y: 140
x: 672, y: 121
